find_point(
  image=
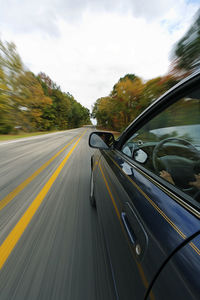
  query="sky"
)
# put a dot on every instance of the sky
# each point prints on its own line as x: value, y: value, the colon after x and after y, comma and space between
x: 85, y: 46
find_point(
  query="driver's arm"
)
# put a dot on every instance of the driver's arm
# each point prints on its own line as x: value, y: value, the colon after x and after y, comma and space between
x: 197, y: 182
x: 167, y: 176
x: 196, y: 175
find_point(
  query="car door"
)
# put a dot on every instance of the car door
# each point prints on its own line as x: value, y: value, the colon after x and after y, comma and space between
x: 179, y: 277
x: 146, y: 190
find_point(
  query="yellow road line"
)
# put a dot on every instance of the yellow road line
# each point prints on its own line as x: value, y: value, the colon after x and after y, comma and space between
x: 13, y: 237
x: 20, y: 187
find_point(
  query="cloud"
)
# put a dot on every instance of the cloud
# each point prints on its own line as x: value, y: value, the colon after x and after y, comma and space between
x: 30, y: 16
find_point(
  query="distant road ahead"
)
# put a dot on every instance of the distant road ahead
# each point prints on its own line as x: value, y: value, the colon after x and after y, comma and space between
x: 50, y: 243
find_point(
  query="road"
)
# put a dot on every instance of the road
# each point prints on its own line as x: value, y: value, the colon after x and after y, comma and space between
x: 51, y: 245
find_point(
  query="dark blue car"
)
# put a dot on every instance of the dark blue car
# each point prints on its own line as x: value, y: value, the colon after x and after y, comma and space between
x: 146, y: 188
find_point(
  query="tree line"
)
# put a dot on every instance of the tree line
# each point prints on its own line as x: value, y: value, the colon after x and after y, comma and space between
x: 30, y: 102
x: 131, y: 95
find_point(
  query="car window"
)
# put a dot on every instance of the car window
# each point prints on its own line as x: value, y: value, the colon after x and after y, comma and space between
x: 169, y: 145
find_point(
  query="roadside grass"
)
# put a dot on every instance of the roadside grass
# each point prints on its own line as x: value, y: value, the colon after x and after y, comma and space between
x: 6, y: 137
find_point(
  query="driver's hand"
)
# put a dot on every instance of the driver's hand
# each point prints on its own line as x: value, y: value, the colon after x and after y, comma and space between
x: 164, y: 174
x: 197, y: 182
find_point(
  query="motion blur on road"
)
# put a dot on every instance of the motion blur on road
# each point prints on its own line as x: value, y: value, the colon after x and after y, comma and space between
x: 55, y: 250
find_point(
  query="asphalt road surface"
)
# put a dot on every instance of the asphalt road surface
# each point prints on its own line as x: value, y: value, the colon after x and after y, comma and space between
x: 51, y: 245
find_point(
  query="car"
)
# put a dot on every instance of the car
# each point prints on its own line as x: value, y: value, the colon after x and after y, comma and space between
x: 146, y: 188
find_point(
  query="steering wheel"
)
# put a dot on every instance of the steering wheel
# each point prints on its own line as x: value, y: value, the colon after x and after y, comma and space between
x: 180, y: 168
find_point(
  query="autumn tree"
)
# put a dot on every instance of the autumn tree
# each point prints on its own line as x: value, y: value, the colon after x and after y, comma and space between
x: 129, y: 97
x: 186, y: 53
x: 33, y: 102
x: 11, y: 68
x: 103, y: 112
x: 29, y: 102
x: 126, y: 95
x: 154, y: 88
x: 6, y: 121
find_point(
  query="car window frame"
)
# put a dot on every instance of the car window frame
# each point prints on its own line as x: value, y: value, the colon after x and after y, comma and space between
x: 172, y: 96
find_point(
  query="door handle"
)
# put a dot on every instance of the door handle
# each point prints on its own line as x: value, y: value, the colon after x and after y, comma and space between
x: 128, y: 228
x: 134, y: 229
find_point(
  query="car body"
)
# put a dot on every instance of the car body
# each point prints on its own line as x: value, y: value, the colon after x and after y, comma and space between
x: 146, y: 188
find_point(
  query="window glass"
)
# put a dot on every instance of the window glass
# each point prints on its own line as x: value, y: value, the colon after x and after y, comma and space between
x: 169, y: 145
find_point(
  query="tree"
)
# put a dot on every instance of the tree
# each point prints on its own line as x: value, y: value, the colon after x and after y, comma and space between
x: 6, y: 122
x: 103, y: 112
x: 126, y: 95
x: 11, y: 68
x: 154, y: 88
x: 79, y: 115
x: 186, y: 53
x: 32, y: 102
x: 47, y: 83
x: 129, y: 97
x: 66, y: 112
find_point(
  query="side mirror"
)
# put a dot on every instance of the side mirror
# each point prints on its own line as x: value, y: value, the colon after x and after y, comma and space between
x: 140, y: 156
x: 101, y: 140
